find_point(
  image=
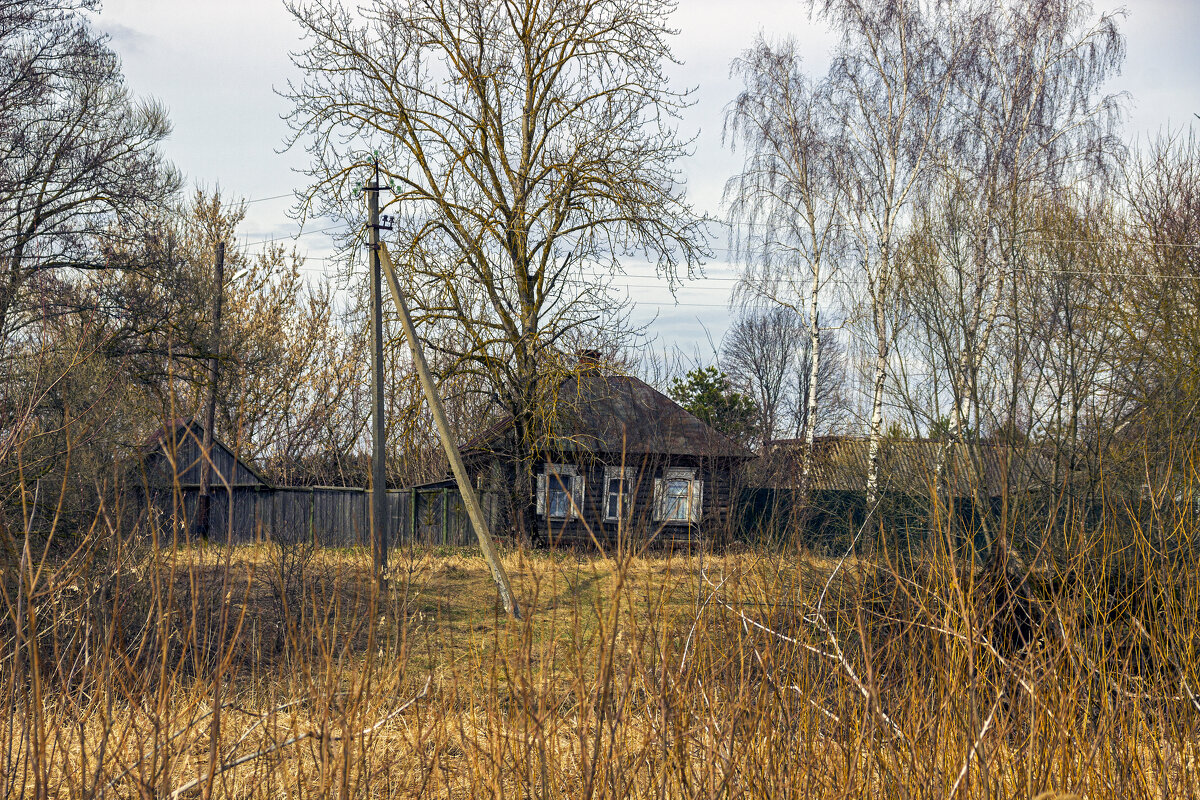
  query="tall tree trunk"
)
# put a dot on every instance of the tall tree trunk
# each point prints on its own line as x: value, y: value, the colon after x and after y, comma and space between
x: 876, y: 430
x: 879, y: 296
x: 526, y: 435
x: 520, y: 489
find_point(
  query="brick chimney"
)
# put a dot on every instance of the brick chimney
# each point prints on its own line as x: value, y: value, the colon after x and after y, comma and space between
x: 589, y: 361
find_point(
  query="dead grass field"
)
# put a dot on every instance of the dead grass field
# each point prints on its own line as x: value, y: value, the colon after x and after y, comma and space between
x: 283, y: 672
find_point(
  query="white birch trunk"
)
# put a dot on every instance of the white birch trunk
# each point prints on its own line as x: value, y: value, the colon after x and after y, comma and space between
x: 954, y: 435
x: 876, y: 420
x: 814, y: 343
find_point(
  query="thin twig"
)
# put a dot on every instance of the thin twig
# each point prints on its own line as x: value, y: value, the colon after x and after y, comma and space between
x: 837, y: 655
x: 987, y: 723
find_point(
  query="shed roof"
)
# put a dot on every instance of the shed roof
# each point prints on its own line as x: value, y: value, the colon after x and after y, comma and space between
x: 910, y: 465
x: 599, y: 413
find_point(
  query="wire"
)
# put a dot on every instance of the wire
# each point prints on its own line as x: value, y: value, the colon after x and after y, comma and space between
x: 762, y: 225
x: 681, y: 305
x: 704, y: 284
x: 292, y: 236
x: 857, y: 280
x: 1026, y: 239
x: 265, y: 199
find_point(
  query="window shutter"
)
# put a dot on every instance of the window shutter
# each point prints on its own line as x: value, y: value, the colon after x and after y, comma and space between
x: 541, y: 494
x: 577, y: 495
x: 605, y: 489
x: 696, y: 506
x: 660, y: 499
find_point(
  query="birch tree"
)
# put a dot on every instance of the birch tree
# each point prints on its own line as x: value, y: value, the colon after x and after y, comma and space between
x: 1027, y: 123
x: 890, y: 90
x: 785, y: 206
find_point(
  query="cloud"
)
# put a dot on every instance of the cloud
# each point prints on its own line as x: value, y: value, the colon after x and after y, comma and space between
x: 127, y: 40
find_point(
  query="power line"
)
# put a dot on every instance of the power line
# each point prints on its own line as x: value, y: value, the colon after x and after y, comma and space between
x: 680, y: 305
x: 704, y: 283
x: 1024, y: 239
x: 856, y: 280
x: 766, y: 226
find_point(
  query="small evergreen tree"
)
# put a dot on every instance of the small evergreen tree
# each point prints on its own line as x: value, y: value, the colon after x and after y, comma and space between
x: 707, y: 393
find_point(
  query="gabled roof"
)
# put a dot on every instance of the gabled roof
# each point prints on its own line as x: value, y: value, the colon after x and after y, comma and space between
x: 183, y: 438
x: 170, y: 430
x: 598, y: 413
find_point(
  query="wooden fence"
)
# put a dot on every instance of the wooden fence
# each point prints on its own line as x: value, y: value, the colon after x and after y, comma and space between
x: 330, y: 516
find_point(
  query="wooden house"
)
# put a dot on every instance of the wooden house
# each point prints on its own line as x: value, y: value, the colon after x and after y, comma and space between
x: 620, y: 458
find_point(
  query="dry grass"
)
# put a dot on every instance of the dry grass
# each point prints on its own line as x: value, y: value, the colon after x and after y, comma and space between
x: 130, y: 671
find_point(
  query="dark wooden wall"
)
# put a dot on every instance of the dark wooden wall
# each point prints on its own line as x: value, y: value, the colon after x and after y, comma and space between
x: 328, y: 516
x: 248, y: 510
x: 716, y: 475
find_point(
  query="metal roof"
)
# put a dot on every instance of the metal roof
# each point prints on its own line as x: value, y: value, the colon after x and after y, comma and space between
x: 909, y: 465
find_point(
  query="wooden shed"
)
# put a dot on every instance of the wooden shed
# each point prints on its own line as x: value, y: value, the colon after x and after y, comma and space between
x: 164, y: 485
x: 173, y: 456
x: 621, y: 458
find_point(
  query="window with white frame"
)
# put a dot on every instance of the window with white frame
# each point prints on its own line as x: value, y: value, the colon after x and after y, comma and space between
x: 678, y: 496
x: 618, y: 491
x: 560, y: 491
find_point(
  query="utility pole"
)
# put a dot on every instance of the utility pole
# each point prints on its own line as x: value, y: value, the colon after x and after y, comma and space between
x: 379, y: 540
x: 465, y: 490
x: 210, y: 410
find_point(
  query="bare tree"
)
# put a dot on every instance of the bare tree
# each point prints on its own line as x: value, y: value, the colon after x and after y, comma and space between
x: 531, y: 145
x: 1026, y: 124
x: 79, y: 160
x: 832, y: 411
x: 769, y: 355
x: 80, y: 172
x: 1153, y: 303
x: 1070, y: 344
x: 890, y: 90
x: 759, y: 354
x: 960, y: 118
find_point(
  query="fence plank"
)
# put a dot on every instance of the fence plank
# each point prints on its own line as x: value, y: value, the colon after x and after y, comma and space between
x: 331, y: 516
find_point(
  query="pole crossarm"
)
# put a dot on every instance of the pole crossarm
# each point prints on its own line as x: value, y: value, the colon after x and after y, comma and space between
x: 465, y: 489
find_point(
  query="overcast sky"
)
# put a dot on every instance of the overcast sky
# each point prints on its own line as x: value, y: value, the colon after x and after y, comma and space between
x: 216, y: 65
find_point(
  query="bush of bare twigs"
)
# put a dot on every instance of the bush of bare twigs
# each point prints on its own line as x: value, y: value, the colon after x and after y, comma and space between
x: 262, y: 671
